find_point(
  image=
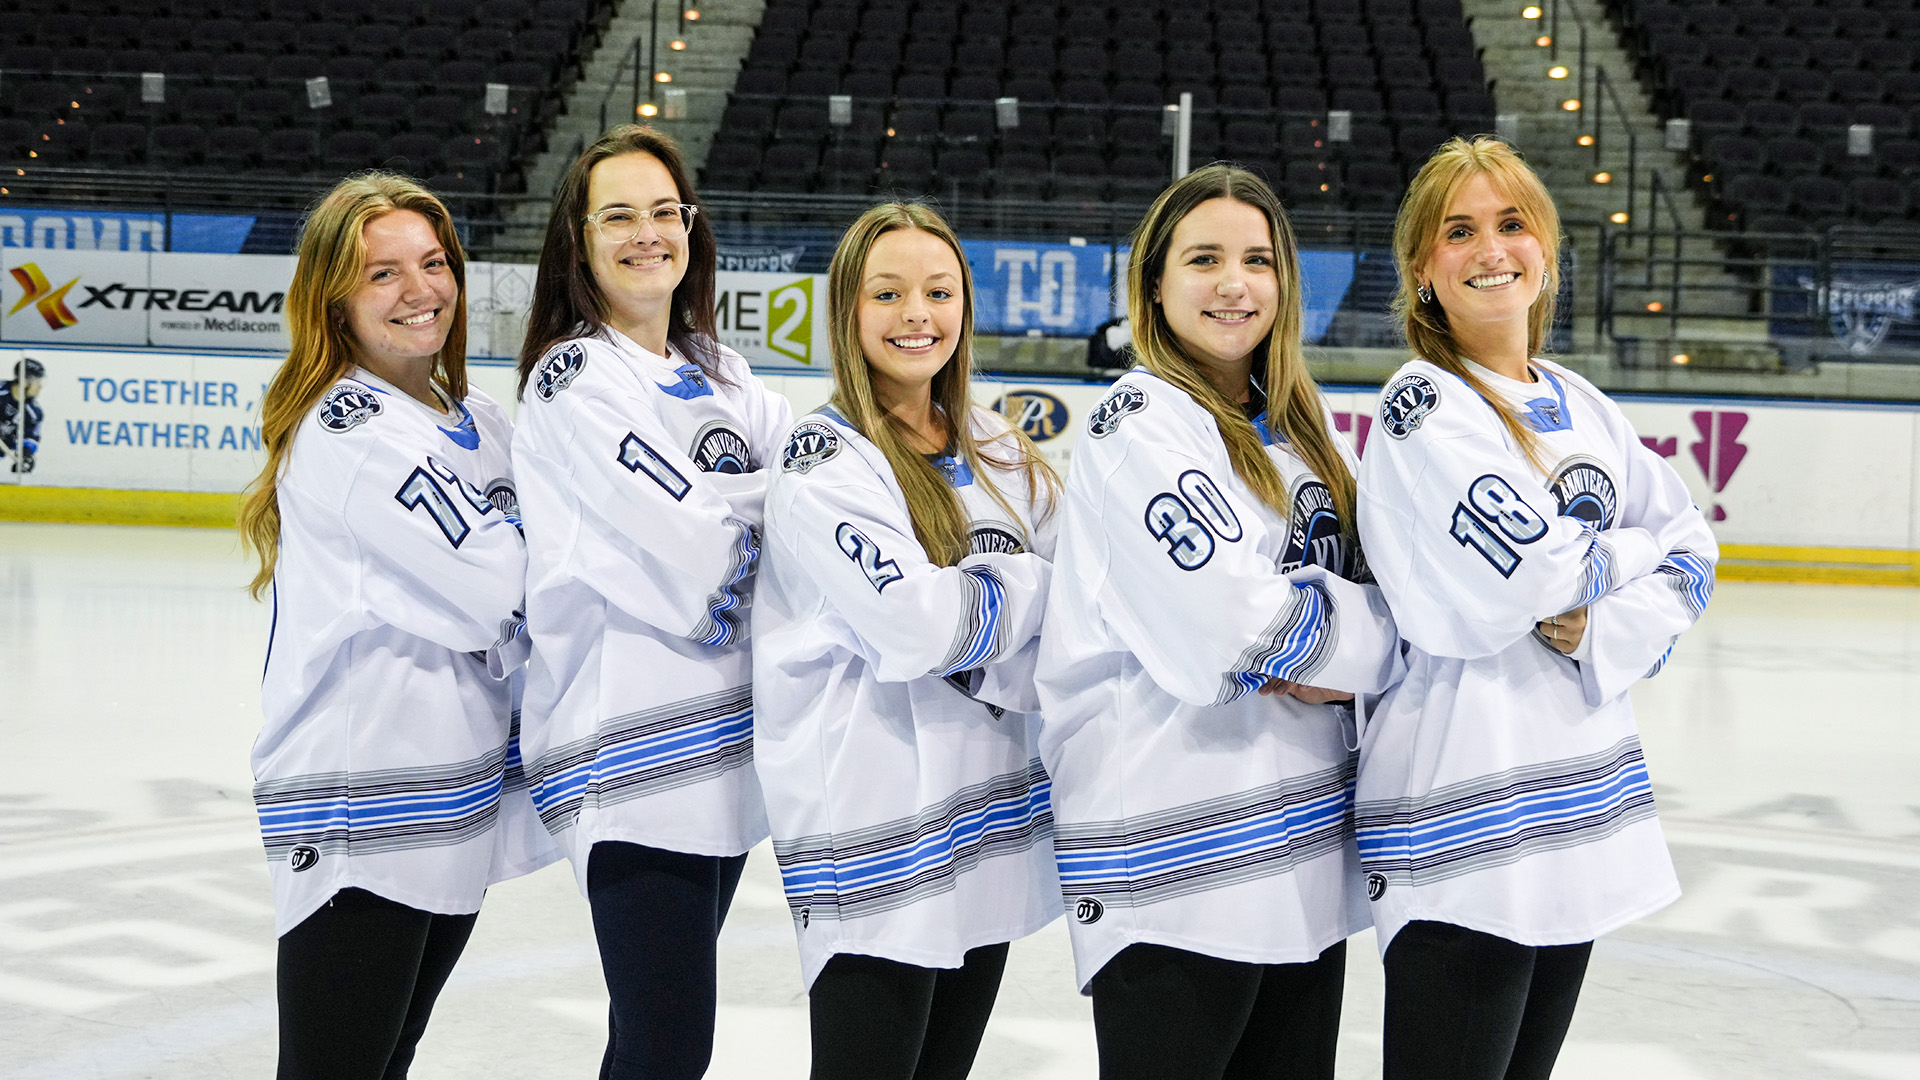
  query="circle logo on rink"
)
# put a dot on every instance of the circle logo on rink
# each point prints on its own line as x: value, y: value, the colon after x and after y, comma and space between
x: 1040, y: 414
x: 303, y: 857
x: 1088, y: 910
x: 1376, y: 886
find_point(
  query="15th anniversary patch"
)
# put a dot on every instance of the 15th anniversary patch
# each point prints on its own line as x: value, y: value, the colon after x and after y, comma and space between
x: 810, y: 444
x: 558, y: 369
x: 347, y: 406
x: 1406, y: 404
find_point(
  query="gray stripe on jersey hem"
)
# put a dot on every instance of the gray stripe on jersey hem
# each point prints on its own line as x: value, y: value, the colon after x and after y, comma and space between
x: 424, y: 780
x: 902, y: 834
x: 664, y: 776
x: 1118, y: 836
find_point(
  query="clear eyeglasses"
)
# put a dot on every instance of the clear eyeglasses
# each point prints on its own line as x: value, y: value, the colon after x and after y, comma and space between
x: 619, y: 224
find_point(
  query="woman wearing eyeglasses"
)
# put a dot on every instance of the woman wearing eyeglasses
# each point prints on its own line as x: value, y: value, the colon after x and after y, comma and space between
x: 640, y: 452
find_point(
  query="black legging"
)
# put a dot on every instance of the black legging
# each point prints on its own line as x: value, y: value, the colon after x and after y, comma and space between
x: 1463, y: 1005
x: 875, y: 1019
x: 657, y: 917
x: 356, y: 982
x: 1168, y: 1014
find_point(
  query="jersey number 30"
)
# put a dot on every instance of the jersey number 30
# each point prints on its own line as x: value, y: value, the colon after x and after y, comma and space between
x: 1189, y: 521
x: 1497, y: 503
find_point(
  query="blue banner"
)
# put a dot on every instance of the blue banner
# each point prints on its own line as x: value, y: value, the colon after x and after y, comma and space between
x: 1870, y: 307
x: 111, y: 230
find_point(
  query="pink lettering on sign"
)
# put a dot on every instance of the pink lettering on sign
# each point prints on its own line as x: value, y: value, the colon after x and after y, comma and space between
x: 1666, y: 447
x: 1719, y: 451
x: 1344, y: 423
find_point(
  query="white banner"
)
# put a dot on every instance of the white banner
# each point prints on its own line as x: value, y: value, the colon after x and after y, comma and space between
x: 1775, y: 474
x: 774, y: 320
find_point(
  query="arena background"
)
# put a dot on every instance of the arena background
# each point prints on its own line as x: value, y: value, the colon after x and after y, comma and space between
x: 1740, y: 185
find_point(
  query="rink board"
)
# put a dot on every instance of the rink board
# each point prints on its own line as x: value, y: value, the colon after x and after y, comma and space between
x: 1795, y: 491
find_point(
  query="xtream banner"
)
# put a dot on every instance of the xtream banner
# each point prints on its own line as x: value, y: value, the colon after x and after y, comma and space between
x: 195, y: 301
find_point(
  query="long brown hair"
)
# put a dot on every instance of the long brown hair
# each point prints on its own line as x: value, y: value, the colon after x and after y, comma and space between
x: 1294, y: 407
x: 939, y: 520
x: 1417, y: 230
x: 568, y: 303
x: 333, y: 253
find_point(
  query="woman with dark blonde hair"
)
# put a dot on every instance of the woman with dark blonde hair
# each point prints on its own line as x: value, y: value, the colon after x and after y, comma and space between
x: 908, y: 532
x: 642, y: 454
x: 385, y: 526
x: 1207, y: 552
x: 1539, y: 561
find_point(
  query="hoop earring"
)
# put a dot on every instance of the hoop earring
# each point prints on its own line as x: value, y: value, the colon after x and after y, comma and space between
x: 1425, y: 294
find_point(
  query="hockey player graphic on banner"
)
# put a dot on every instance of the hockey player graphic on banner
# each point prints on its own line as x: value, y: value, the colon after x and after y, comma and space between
x: 21, y: 415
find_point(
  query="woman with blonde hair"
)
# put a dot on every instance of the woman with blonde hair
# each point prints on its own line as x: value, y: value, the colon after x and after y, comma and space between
x: 908, y: 533
x: 643, y: 453
x: 1539, y: 561
x: 385, y: 524
x: 1207, y: 552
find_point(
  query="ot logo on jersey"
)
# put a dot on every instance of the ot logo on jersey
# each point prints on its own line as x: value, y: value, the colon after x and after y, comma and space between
x: 1087, y: 910
x: 1376, y: 886
x: 347, y: 406
x: 1583, y: 490
x: 810, y: 444
x: 1036, y: 412
x: 303, y: 858
x: 1313, y: 535
x: 1407, y: 402
x: 1108, y: 414
x: 988, y: 538
x: 558, y: 370
x: 720, y: 449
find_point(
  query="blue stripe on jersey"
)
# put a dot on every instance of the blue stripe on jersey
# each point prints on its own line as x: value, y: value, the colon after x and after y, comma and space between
x: 1495, y: 820
x: 1207, y: 845
x: 979, y: 637
x: 644, y: 753
x: 1296, y: 644
x: 1692, y: 578
x: 1596, y: 573
x: 721, y: 626
x: 381, y: 810
x: 893, y: 864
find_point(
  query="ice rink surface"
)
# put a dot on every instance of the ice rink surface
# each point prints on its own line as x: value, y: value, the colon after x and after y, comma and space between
x: 136, y: 930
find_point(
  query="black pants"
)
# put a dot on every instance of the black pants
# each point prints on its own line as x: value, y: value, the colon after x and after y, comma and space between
x: 1463, y: 1005
x: 1168, y: 1014
x: 875, y: 1019
x: 657, y: 917
x: 356, y: 983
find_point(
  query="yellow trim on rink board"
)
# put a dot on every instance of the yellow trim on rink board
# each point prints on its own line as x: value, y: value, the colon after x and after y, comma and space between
x: 1819, y: 565
x: 108, y: 506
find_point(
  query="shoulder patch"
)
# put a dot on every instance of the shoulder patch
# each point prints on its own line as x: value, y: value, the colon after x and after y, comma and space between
x: 810, y: 444
x: 718, y: 448
x: 558, y: 369
x: 1406, y: 404
x: 1106, y: 416
x: 988, y: 537
x: 347, y: 406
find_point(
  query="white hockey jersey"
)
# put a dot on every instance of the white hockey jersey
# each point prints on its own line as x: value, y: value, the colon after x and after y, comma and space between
x: 641, y: 480
x: 388, y: 760
x: 894, y: 698
x: 1189, y: 810
x: 1502, y: 786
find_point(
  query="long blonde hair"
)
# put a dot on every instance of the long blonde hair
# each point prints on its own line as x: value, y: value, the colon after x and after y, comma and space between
x: 333, y: 252
x: 1294, y: 407
x: 939, y: 519
x: 1417, y: 230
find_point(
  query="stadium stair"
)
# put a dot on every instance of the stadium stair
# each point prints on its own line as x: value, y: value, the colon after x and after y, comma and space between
x: 1525, y: 93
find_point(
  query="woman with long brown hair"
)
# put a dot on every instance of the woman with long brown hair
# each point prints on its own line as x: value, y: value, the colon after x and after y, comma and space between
x: 908, y: 533
x: 642, y: 454
x: 385, y: 526
x: 1207, y: 553
x: 1539, y: 561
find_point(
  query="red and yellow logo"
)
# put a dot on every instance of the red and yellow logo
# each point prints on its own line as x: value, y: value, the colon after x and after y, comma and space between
x: 51, y: 302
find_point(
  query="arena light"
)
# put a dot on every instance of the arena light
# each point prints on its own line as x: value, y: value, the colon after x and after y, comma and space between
x: 1619, y: 217
x: 677, y: 45
x: 648, y: 108
x: 1603, y: 178
x: 1655, y: 305
x: 1571, y: 105
x: 1557, y: 71
x: 1681, y: 358
x: 1543, y: 40
x: 662, y: 76
x: 691, y: 15
x: 1585, y: 140
x: 1531, y: 11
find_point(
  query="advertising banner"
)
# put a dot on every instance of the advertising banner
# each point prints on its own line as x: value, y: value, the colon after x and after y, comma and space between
x: 96, y: 230
x: 202, y: 301
x: 1869, y: 307
x: 774, y: 320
